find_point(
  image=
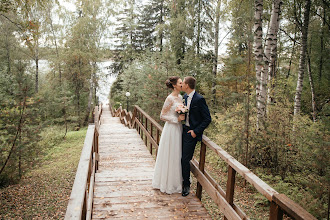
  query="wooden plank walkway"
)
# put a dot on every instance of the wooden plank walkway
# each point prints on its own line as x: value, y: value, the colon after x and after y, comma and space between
x: 123, y: 182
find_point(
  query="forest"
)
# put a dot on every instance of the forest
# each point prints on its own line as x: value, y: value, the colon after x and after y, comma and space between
x: 262, y: 66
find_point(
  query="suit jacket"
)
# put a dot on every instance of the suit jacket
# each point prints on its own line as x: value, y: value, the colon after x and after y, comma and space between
x: 199, y: 114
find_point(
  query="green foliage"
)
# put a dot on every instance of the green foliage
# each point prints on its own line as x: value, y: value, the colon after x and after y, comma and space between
x: 62, y: 97
x: 292, y: 153
x: 297, y: 160
x: 45, y: 188
x: 20, y: 123
x: 145, y: 80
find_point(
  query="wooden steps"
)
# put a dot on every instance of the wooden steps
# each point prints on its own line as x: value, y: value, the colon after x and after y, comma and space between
x: 123, y: 188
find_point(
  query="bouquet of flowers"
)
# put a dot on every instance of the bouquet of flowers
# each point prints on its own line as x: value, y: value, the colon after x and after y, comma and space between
x: 181, y: 109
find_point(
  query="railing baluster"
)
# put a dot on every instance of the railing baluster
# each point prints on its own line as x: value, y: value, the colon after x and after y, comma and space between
x: 230, y: 186
x: 151, y: 133
x: 276, y: 212
x: 279, y: 202
x: 142, y: 125
x: 201, y: 167
x: 157, y: 139
x: 145, y: 135
x: 77, y: 206
x: 140, y: 121
x: 133, y: 118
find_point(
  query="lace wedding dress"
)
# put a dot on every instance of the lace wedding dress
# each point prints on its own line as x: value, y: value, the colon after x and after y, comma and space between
x: 167, y: 175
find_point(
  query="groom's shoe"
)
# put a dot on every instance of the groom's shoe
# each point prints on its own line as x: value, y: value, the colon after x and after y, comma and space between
x: 185, y: 190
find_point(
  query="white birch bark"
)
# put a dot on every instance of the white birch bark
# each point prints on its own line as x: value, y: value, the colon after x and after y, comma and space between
x: 302, y: 60
x: 271, y: 48
x: 258, y: 52
x: 311, y: 83
x: 216, y: 48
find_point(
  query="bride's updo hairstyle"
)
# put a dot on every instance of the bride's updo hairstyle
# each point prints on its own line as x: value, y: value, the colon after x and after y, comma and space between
x: 170, y: 82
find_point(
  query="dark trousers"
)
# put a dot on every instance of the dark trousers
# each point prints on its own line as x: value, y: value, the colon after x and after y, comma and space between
x: 188, y: 148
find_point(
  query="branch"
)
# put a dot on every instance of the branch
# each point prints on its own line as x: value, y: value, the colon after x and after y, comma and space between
x: 224, y: 37
x: 12, y: 22
x: 17, y: 132
x: 299, y: 23
x: 323, y: 19
x: 294, y: 40
x: 207, y: 12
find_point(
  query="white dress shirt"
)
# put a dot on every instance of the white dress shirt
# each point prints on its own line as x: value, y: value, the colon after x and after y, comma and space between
x: 190, y: 96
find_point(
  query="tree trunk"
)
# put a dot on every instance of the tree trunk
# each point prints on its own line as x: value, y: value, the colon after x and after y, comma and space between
x: 18, y: 131
x: 78, y: 91
x: 37, y: 67
x: 247, y: 120
x: 19, y: 157
x: 258, y: 53
x: 271, y: 47
x: 198, y: 27
x: 90, y: 97
x: 322, y: 43
x: 311, y: 83
x: 292, y: 53
x: 161, y: 21
x: 216, y: 49
x: 56, y: 49
x: 302, y: 60
x: 8, y: 54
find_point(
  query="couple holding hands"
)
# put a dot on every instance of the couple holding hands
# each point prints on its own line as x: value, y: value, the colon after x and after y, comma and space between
x: 178, y: 141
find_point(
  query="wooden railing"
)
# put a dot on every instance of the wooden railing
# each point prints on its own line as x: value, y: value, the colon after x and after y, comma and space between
x: 81, y: 200
x: 150, y: 132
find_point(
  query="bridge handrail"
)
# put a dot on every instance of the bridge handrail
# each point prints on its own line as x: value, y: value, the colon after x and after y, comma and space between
x: 81, y: 199
x: 279, y: 203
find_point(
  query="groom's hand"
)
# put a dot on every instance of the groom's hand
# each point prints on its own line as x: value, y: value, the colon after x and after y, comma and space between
x: 192, y: 133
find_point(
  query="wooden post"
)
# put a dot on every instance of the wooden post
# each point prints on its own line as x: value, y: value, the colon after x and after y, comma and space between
x: 140, y: 120
x: 230, y: 186
x: 96, y: 150
x: 133, y: 118
x: 137, y: 118
x: 201, y: 168
x: 142, y: 125
x: 276, y: 212
x: 151, y: 129
x: 157, y: 139
x: 145, y: 135
x: 84, y: 209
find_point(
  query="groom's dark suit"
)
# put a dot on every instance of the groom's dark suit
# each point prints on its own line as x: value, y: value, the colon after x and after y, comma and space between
x: 199, y: 119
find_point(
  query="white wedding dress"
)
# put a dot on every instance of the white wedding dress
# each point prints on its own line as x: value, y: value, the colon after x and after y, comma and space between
x: 167, y: 176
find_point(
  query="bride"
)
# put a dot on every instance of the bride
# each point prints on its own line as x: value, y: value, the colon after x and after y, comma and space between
x: 167, y: 176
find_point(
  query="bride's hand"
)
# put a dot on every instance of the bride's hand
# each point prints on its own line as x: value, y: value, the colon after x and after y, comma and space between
x: 181, y: 117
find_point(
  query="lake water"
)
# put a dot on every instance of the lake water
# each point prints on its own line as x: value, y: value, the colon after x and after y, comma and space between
x: 105, y: 80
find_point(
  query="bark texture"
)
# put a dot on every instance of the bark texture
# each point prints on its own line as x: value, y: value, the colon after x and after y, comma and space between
x: 258, y: 50
x: 271, y: 47
x: 216, y: 48
x: 302, y: 60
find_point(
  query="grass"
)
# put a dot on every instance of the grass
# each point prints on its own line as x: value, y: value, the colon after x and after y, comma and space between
x: 43, y: 193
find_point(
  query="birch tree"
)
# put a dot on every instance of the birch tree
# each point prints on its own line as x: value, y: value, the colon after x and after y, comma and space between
x: 215, y: 18
x: 258, y: 53
x: 271, y: 46
x: 216, y: 47
x: 302, y: 59
x: 265, y: 56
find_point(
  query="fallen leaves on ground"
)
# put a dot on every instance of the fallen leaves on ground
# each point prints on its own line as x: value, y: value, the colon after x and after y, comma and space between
x: 45, y: 191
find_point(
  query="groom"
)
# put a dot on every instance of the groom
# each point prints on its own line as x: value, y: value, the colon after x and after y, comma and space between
x: 197, y: 119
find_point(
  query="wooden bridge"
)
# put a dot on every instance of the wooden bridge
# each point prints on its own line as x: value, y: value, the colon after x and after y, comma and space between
x: 115, y: 171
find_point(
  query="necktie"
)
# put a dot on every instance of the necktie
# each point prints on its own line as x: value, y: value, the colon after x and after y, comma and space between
x: 188, y: 105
